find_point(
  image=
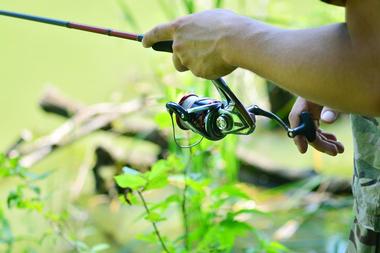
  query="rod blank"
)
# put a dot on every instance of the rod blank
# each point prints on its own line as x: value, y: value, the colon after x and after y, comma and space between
x: 72, y: 25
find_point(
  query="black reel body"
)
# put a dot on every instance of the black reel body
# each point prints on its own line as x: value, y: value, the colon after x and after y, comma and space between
x: 214, y: 119
x: 202, y: 114
x: 211, y: 118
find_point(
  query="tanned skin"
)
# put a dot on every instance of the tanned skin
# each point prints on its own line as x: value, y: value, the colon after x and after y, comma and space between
x: 336, y: 65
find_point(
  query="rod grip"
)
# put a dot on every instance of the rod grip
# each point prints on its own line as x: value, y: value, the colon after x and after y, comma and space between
x: 306, y: 127
x: 164, y: 46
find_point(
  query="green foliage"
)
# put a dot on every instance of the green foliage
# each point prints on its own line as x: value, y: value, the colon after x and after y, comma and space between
x: 189, y: 5
x: 154, y: 179
x: 210, y: 209
x: 127, y: 13
x: 218, y: 3
x: 27, y: 196
x: 6, y: 234
x: 167, y: 8
x: 204, y: 181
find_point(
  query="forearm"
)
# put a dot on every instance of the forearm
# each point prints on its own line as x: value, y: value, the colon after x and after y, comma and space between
x: 321, y: 64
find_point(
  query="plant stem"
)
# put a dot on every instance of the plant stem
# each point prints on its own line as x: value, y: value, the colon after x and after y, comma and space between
x: 154, y: 224
x: 183, y: 206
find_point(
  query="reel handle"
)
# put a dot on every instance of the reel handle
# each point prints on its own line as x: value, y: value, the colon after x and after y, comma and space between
x: 306, y: 127
x: 164, y: 46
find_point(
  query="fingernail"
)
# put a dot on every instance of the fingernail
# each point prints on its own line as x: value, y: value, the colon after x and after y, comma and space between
x: 328, y: 116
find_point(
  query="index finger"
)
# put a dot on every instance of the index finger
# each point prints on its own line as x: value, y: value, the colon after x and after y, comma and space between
x: 161, y: 32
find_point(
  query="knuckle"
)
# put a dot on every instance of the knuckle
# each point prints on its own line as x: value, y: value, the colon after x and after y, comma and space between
x: 177, y: 24
x: 154, y: 33
x: 156, y: 30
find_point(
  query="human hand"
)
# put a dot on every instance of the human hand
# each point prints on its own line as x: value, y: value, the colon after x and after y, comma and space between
x: 200, y: 41
x: 324, y: 142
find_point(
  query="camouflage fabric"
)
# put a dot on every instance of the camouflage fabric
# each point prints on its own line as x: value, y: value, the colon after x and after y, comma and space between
x: 366, y: 183
x: 363, y: 240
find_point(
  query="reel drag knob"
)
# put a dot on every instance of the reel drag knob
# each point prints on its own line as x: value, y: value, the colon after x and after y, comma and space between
x: 224, y: 122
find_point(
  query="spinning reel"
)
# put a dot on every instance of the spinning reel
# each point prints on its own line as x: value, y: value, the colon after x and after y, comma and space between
x: 214, y: 119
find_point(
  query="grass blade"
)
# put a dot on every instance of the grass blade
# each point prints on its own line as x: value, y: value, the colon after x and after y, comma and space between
x: 127, y: 13
x: 218, y: 3
x: 190, y: 6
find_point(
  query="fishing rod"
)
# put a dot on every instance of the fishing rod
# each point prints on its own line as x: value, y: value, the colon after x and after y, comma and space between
x: 211, y: 118
x: 164, y: 46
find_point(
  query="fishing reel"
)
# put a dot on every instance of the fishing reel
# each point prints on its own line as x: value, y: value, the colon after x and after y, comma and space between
x: 215, y: 119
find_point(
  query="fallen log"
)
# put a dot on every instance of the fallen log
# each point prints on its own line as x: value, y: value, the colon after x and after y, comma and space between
x: 259, y: 171
x: 85, y: 121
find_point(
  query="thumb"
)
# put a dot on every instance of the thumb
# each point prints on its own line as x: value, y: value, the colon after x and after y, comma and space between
x: 329, y: 115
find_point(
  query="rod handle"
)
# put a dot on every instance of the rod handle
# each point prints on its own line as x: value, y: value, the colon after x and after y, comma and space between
x: 164, y: 46
x: 306, y: 127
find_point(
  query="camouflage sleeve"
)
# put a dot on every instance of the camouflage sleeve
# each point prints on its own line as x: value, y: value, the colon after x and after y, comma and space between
x: 363, y: 240
x: 336, y: 2
x: 366, y: 183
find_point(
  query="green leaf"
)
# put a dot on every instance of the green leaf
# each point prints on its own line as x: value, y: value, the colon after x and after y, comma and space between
x: 157, y: 183
x: 35, y: 189
x: 154, y: 217
x: 175, y: 163
x: 14, y: 198
x: 236, y: 227
x: 251, y: 211
x: 231, y: 191
x: 151, y: 238
x: 163, y: 205
x: 81, y: 246
x: 198, y: 186
x: 158, y: 176
x: 159, y: 169
x: 163, y: 120
x: 135, y: 182
x: 100, y: 247
x: 275, y: 247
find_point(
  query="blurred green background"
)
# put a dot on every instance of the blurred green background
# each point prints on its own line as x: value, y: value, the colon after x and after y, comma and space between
x: 93, y: 68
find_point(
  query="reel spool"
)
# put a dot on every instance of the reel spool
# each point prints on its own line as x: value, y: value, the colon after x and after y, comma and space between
x: 198, y: 115
x: 204, y: 118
